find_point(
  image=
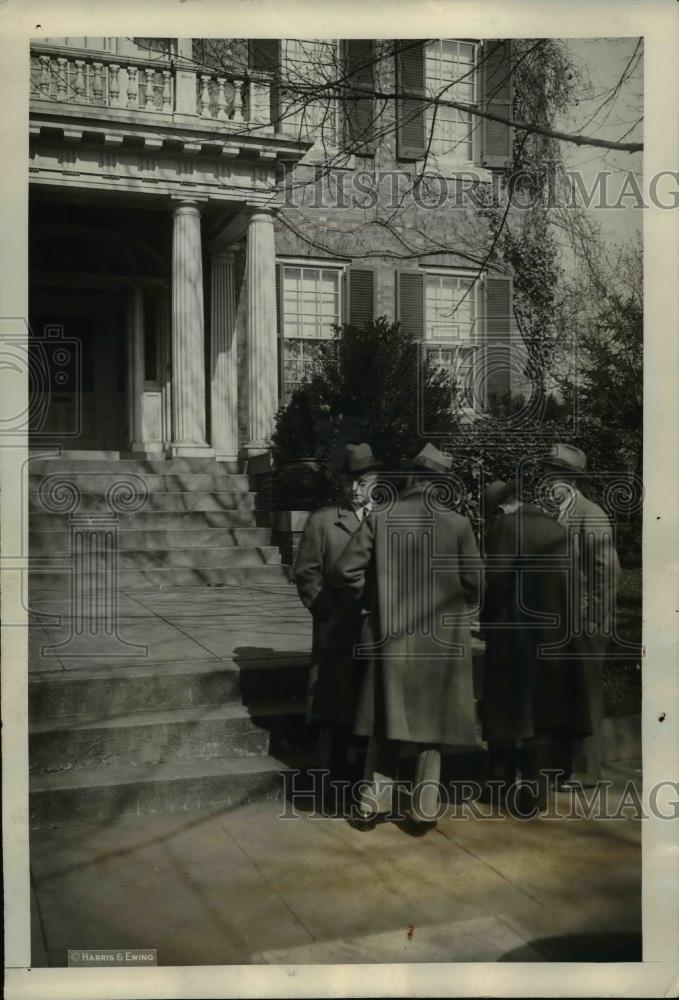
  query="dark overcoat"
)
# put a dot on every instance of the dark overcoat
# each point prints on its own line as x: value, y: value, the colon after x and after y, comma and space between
x: 420, y: 572
x: 529, y: 688
x: 337, y: 616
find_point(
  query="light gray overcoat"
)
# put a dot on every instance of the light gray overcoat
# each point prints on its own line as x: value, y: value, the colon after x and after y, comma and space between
x: 419, y: 571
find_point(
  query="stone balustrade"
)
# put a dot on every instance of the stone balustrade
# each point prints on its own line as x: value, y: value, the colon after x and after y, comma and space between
x: 152, y: 83
x: 220, y: 97
x: 101, y: 79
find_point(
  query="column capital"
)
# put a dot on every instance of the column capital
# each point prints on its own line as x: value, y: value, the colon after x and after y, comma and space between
x: 261, y: 213
x: 186, y: 203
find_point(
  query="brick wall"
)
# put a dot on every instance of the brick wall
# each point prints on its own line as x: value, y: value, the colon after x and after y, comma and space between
x: 350, y: 218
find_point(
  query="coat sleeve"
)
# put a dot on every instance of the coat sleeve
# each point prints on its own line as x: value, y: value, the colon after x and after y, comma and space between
x: 309, y: 567
x: 471, y: 567
x: 601, y: 568
x: 349, y: 572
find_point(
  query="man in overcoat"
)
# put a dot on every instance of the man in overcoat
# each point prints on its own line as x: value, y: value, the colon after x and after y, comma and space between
x: 417, y: 566
x: 337, y: 618
x: 594, y: 573
x: 534, y: 689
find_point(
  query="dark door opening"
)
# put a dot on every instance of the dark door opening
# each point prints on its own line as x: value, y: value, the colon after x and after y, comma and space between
x: 78, y: 358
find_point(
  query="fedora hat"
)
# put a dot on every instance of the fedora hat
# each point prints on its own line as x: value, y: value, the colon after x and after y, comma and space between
x: 565, y: 456
x: 432, y: 460
x: 359, y: 458
x: 496, y: 493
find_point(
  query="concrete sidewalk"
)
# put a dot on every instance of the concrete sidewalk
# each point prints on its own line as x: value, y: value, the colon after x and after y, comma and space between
x: 243, y: 886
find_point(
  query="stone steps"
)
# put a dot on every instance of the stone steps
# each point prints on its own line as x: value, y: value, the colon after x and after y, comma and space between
x: 170, y: 501
x: 154, y: 737
x: 187, y: 576
x: 120, y: 735
x: 93, y: 692
x: 101, y: 482
x: 205, y: 556
x: 173, y: 466
x: 102, y: 794
x: 58, y: 542
x: 164, y: 520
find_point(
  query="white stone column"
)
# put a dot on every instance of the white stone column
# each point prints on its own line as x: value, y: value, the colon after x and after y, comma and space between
x: 188, y: 335
x: 135, y: 367
x: 223, y: 356
x: 163, y: 319
x: 262, y: 336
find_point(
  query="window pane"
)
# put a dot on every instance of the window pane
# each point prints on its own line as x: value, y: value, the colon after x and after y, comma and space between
x: 310, y: 302
x: 449, y: 70
x: 309, y: 61
x: 449, y: 308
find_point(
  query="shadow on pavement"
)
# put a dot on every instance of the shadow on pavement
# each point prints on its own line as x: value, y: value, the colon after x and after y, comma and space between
x: 581, y: 948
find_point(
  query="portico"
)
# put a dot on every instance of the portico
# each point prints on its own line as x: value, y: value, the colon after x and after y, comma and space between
x: 152, y: 225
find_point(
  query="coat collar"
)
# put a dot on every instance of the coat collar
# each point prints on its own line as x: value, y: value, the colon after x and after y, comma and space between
x: 346, y: 519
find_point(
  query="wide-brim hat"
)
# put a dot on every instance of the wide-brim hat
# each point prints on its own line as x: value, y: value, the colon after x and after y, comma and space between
x: 497, y: 493
x: 566, y: 457
x: 359, y: 458
x: 430, y: 459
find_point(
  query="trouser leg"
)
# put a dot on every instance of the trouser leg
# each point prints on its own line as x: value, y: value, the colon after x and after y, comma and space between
x: 587, y: 749
x: 502, y: 764
x: 426, y: 798
x: 336, y: 759
x: 562, y: 756
x: 535, y: 759
x: 379, y: 776
x: 502, y: 761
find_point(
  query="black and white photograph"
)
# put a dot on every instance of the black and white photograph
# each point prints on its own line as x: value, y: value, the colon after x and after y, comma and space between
x: 326, y: 498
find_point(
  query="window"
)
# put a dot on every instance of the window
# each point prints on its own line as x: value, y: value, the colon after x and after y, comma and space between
x: 451, y: 328
x: 310, y: 63
x: 450, y: 307
x: 451, y: 74
x: 310, y: 310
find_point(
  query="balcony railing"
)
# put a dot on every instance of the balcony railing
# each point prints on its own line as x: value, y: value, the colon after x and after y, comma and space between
x: 151, y: 83
x: 102, y: 80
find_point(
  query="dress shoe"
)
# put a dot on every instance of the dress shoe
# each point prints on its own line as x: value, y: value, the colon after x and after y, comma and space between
x: 364, y: 823
x: 418, y: 827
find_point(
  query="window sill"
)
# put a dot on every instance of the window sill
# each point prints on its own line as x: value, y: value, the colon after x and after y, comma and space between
x: 454, y: 170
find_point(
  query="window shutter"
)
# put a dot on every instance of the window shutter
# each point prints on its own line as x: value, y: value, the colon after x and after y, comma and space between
x: 360, y: 305
x: 358, y: 59
x: 410, y: 114
x: 410, y: 302
x: 496, y: 138
x: 265, y: 54
x: 498, y: 312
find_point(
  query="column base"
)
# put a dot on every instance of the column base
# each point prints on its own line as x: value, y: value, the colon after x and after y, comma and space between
x: 146, y: 448
x: 256, y: 458
x: 227, y: 458
x: 191, y: 451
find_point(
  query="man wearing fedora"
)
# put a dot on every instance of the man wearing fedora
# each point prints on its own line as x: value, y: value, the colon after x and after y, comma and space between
x: 336, y: 619
x: 532, y: 690
x: 417, y: 566
x: 594, y: 568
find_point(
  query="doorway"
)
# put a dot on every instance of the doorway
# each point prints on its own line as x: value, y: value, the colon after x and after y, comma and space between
x: 78, y: 363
